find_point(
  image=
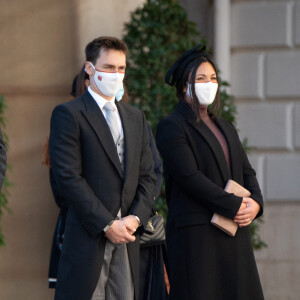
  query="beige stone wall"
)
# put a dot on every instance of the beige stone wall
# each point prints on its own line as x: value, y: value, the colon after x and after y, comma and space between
x: 42, y: 48
x: 265, y: 44
x: 96, y: 18
x: 278, y: 265
x: 28, y: 230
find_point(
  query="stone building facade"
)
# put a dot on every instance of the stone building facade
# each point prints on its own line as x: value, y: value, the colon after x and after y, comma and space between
x: 42, y: 45
x: 265, y: 78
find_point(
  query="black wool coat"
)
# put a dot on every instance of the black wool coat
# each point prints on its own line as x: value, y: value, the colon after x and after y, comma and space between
x: 89, y: 176
x: 204, y: 262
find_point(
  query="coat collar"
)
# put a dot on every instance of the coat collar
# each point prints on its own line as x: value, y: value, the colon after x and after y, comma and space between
x: 97, y: 121
x: 130, y: 128
x: 212, y: 141
x: 233, y: 145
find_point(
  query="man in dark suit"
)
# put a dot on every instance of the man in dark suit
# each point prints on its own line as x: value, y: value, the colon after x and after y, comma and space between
x: 103, y: 167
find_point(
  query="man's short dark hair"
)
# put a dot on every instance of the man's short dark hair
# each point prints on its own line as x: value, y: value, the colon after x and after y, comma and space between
x: 93, y: 49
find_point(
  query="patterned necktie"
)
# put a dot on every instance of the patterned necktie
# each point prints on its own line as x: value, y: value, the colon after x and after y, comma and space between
x: 112, y: 121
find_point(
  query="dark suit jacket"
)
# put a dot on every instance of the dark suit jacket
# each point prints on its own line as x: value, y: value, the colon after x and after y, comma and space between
x: 2, y: 160
x: 205, y: 263
x: 57, y: 241
x: 89, y: 176
x: 157, y: 162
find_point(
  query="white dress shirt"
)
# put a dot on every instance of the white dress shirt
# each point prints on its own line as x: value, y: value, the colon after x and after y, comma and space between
x: 101, y: 102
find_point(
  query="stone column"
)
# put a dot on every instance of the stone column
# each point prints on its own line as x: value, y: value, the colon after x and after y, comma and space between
x: 99, y: 17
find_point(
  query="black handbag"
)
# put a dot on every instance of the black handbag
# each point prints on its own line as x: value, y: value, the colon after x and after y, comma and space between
x: 154, y: 233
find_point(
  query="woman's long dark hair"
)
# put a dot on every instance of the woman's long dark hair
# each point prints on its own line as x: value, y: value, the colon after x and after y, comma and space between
x: 80, y: 82
x: 183, y: 71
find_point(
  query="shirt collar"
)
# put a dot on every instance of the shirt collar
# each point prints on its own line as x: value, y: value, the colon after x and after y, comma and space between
x: 100, y: 100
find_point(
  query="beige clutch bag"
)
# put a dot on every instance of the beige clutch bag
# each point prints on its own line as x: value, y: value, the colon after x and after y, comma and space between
x: 223, y: 223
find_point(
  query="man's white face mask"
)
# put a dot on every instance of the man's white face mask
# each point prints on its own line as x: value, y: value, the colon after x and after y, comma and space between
x: 108, y: 83
x: 205, y: 92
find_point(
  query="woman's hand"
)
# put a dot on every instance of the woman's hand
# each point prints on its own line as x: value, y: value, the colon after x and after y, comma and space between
x: 245, y: 216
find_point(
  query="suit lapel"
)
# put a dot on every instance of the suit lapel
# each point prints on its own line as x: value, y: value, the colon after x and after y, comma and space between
x: 97, y: 121
x: 233, y: 146
x: 130, y: 134
x: 209, y: 137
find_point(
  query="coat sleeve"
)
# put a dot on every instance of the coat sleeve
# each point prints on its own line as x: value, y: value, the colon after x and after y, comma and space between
x: 180, y: 161
x: 59, y: 200
x: 145, y: 192
x: 2, y: 160
x: 157, y: 162
x: 250, y: 180
x: 65, y: 157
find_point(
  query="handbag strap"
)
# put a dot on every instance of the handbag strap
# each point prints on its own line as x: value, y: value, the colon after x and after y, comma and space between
x: 164, y: 251
x: 154, y: 212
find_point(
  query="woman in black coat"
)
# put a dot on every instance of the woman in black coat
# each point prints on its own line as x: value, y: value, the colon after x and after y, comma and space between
x: 201, y: 152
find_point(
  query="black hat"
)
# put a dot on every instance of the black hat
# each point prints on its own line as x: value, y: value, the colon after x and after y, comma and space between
x: 182, y: 62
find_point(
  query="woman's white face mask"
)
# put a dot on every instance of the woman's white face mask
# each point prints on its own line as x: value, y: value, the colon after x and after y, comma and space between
x: 205, y: 92
x: 108, y: 83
